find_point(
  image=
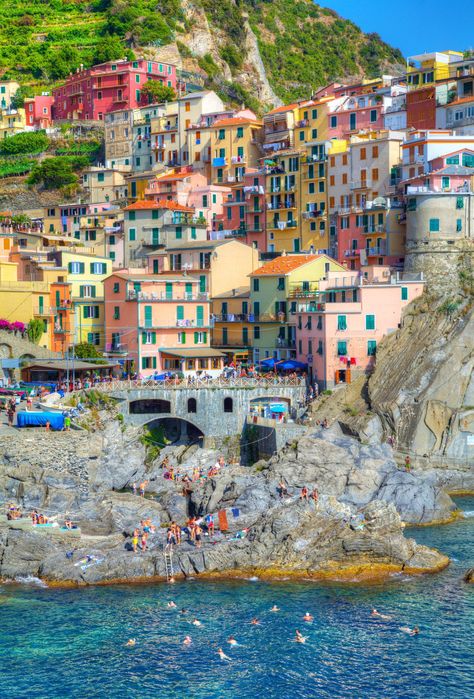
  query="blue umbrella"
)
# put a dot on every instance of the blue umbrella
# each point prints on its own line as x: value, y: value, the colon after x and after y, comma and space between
x: 291, y: 364
x: 268, y: 363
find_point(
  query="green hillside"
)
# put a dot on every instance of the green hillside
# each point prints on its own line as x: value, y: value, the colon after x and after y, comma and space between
x: 301, y: 44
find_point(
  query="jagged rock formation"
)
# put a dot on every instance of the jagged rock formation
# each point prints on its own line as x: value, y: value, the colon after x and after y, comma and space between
x: 354, y: 531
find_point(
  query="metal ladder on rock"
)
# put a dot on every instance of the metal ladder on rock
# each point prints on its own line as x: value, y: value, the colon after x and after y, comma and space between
x: 168, y: 556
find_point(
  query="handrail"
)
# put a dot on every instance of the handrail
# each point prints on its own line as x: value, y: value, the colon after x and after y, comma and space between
x: 197, y: 383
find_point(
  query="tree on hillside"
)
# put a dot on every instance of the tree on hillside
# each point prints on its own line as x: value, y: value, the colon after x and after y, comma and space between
x: 35, y: 330
x: 18, y: 99
x: 57, y: 172
x: 156, y: 92
x: 27, y: 142
x: 109, y: 48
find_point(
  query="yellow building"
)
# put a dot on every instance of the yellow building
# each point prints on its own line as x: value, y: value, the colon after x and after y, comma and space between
x: 12, y: 121
x: 86, y: 274
x: 273, y: 293
x: 8, y: 89
x: 231, y: 323
x: 283, y: 185
x: 428, y: 68
x: 236, y: 145
x: 24, y: 300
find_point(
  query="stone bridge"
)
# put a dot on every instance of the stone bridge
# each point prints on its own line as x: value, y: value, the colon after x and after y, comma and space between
x: 216, y: 409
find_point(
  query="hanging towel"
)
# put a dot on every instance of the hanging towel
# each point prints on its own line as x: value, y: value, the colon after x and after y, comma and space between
x: 223, y: 525
x: 236, y: 512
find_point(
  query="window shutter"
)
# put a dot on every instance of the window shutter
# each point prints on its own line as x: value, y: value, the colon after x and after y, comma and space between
x: 143, y: 338
x: 82, y: 267
x: 154, y: 362
x: 204, y: 335
x: 196, y: 338
x: 81, y: 292
x: 93, y: 292
x: 69, y: 267
x: 92, y: 268
x: 180, y: 312
x: 143, y: 362
x: 153, y: 338
x: 85, y: 312
x: 183, y: 338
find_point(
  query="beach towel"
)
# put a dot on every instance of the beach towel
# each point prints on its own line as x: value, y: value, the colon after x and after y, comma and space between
x: 223, y: 525
x: 236, y: 512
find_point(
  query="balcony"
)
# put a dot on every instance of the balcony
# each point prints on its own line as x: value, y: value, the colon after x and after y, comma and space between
x: 312, y: 214
x: 118, y: 99
x: 370, y: 230
x: 361, y: 184
x: 43, y: 310
x: 116, y: 348
x: 252, y: 229
x: 289, y: 343
x: 58, y: 330
x: 234, y: 318
x: 378, y: 250
x: 238, y: 159
x: 149, y: 325
x: 133, y: 295
x: 281, y: 317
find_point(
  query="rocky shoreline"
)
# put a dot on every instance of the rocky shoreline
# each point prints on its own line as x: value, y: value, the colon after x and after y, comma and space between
x: 354, y: 533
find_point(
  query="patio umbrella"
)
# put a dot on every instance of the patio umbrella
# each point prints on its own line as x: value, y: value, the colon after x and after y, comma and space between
x: 291, y: 365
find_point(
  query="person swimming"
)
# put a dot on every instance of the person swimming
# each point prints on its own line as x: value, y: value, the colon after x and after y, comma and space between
x: 196, y: 622
x: 299, y: 638
x: 255, y: 622
x: 307, y: 617
x: 411, y: 632
x: 171, y: 605
x: 231, y: 641
x: 184, y: 611
x: 376, y: 613
x: 187, y: 641
x: 275, y: 608
x: 131, y: 642
x: 222, y: 655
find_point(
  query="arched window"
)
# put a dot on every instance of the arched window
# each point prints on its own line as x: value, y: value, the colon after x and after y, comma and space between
x: 228, y: 405
x: 192, y: 405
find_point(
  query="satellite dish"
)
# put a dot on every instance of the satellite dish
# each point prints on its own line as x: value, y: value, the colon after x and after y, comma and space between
x: 379, y: 201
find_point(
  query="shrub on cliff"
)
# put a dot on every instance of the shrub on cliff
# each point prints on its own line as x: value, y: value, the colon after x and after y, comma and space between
x: 35, y: 330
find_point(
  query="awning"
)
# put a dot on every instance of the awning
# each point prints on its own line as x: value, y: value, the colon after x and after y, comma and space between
x: 63, y: 365
x: 192, y: 353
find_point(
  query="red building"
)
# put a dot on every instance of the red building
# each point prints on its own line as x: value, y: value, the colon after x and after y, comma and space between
x: 421, y: 108
x: 90, y: 93
x: 244, y: 211
x: 38, y: 111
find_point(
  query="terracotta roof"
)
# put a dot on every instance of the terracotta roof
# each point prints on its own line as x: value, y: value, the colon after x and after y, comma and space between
x: 284, y: 264
x: 284, y: 108
x: 461, y: 100
x: 177, y: 176
x: 235, y: 121
x: 161, y: 204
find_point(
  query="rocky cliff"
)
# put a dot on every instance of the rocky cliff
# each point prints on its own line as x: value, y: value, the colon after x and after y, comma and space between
x: 355, y: 531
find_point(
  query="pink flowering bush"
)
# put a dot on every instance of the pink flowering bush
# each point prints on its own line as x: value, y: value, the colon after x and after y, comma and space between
x: 15, y: 327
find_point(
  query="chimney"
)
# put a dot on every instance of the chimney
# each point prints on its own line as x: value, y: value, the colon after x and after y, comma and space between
x: 234, y: 291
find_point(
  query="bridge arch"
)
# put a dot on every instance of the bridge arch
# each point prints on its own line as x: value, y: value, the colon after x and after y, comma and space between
x: 177, y: 430
x: 148, y: 406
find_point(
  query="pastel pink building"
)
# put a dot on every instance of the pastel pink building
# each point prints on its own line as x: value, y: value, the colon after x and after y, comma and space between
x: 358, y: 107
x: 341, y: 320
x: 159, y: 323
x: 448, y: 173
x: 92, y: 92
x: 192, y: 189
x: 244, y: 212
x: 38, y: 111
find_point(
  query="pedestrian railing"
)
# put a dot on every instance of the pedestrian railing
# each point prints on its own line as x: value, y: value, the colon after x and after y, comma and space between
x: 183, y: 384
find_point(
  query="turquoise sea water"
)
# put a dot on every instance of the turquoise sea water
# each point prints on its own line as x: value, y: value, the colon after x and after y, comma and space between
x: 71, y: 643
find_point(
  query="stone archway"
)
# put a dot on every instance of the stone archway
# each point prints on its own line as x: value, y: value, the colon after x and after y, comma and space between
x: 177, y: 430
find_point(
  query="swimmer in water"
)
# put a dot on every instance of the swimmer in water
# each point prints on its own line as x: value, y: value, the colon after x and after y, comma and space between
x: 275, y: 608
x: 299, y: 638
x: 411, y: 632
x: 131, y: 642
x: 231, y: 641
x: 222, y: 655
x: 196, y: 622
x: 187, y: 641
x: 171, y: 605
x: 255, y: 622
x: 307, y: 617
x: 376, y: 613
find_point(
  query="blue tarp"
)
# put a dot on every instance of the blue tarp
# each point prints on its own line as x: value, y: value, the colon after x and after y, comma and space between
x: 56, y: 420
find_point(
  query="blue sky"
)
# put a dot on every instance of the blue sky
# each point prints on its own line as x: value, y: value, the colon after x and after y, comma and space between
x: 414, y: 26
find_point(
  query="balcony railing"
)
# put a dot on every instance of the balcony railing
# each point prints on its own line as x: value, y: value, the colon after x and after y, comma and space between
x: 377, y: 250
x: 220, y: 342
x: 280, y: 317
x: 163, y: 296
x: 373, y: 229
x: 285, y: 342
x: 116, y: 348
x: 149, y: 325
x: 234, y: 318
x: 361, y: 184
x: 43, y: 311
